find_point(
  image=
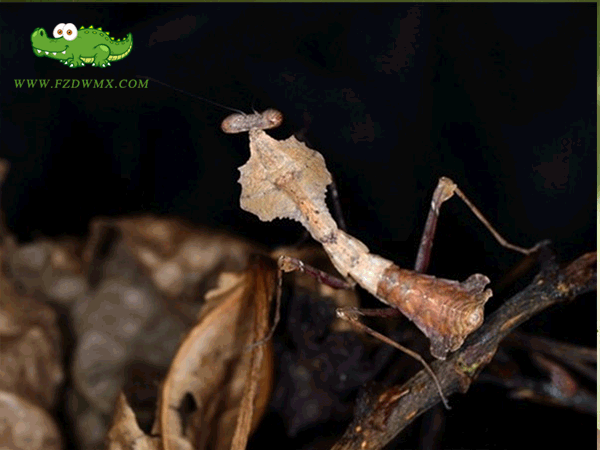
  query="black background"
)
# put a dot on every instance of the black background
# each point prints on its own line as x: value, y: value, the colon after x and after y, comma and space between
x: 482, y: 94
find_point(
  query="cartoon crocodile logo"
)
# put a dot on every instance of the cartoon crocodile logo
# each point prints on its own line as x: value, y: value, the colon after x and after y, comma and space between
x: 75, y: 47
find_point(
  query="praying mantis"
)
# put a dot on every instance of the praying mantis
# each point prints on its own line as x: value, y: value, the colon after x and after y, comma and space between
x: 286, y: 179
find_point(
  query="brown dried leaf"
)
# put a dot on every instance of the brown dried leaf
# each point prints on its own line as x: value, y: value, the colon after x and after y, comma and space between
x: 30, y: 347
x: 125, y: 434
x: 47, y: 269
x: 4, y: 168
x: 26, y: 426
x: 180, y: 260
x: 215, y: 367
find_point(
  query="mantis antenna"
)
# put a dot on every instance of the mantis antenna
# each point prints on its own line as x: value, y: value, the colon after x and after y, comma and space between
x: 198, y: 97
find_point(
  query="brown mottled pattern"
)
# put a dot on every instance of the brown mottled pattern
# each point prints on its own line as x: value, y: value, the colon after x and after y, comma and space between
x: 445, y: 311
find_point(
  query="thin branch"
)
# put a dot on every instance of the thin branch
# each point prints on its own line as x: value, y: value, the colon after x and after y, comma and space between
x: 582, y: 359
x: 561, y: 390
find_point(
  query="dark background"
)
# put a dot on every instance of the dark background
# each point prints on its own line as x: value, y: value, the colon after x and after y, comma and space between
x: 500, y: 98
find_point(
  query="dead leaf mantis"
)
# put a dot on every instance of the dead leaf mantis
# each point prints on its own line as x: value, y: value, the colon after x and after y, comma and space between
x: 286, y: 179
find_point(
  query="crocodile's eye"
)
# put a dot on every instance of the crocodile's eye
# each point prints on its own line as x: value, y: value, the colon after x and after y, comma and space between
x: 58, y: 30
x: 69, y: 32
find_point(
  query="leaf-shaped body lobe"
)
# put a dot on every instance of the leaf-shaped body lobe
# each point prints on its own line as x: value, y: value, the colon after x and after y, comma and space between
x: 446, y: 311
x: 288, y: 180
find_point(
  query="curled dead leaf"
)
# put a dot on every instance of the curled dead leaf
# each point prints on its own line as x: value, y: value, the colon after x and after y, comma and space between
x: 226, y: 381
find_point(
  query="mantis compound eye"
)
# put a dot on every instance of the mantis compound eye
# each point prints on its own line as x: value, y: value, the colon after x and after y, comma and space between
x: 272, y: 117
x: 475, y: 319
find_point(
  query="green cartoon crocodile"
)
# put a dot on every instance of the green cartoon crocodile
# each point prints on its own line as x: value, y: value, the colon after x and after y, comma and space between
x: 75, y: 47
